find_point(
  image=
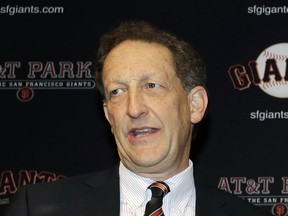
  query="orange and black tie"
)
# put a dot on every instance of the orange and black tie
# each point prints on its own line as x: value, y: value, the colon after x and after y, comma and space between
x: 154, y: 206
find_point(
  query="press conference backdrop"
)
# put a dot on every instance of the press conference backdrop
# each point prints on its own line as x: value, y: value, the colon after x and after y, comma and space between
x: 52, y: 123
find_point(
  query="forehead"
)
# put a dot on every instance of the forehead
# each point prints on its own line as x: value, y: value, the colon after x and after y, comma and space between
x: 137, y: 45
x: 137, y: 56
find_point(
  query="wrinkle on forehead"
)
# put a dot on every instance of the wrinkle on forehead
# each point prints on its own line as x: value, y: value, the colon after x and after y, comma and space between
x: 140, y: 60
x: 132, y: 52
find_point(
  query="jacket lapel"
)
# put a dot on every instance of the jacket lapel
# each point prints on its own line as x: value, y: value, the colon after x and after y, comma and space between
x: 106, y: 187
x: 213, y: 201
x: 208, y: 202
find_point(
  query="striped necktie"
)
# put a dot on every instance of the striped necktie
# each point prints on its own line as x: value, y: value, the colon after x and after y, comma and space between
x: 154, y: 206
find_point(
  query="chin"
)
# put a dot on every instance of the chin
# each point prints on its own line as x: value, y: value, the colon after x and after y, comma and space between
x: 147, y: 162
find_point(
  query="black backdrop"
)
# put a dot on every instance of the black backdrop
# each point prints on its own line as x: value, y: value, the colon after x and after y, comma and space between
x: 52, y: 123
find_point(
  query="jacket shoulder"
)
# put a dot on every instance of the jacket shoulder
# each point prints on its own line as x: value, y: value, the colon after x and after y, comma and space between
x: 72, y: 196
x: 211, y: 200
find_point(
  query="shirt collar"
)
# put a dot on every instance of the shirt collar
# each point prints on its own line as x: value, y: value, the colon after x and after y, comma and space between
x: 181, y: 185
x: 133, y: 187
x: 182, y: 188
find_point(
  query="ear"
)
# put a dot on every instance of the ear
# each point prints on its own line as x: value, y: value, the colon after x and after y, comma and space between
x: 107, y: 114
x: 198, y: 101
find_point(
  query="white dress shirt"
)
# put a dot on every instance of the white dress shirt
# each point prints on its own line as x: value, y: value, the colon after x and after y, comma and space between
x: 134, y: 193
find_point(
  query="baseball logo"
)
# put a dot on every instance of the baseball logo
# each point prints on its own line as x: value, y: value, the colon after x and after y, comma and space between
x: 273, y: 70
x: 25, y: 94
x: 280, y: 209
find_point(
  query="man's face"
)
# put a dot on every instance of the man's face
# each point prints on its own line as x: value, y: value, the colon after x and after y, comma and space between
x: 147, y: 108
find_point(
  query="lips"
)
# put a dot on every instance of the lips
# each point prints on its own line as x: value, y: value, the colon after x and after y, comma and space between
x: 142, y: 132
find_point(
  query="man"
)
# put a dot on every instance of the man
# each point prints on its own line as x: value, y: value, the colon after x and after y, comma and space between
x: 153, y: 88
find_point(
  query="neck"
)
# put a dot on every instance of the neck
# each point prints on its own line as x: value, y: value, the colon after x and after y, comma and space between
x: 157, y: 173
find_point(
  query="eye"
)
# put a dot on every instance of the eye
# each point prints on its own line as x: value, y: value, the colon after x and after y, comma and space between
x: 116, y: 92
x: 152, y: 85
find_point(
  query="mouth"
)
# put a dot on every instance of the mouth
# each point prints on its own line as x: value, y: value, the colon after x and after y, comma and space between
x: 142, y: 132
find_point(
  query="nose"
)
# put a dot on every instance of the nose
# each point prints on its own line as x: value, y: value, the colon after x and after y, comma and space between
x: 136, y: 106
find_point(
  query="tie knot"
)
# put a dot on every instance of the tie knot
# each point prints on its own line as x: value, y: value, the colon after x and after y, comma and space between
x: 159, y: 189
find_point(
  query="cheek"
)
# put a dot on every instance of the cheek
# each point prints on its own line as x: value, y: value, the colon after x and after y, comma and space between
x: 181, y: 118
x: 115, y: 117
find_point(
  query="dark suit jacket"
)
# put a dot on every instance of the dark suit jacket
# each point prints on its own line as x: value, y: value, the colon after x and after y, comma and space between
x: 98, y: 195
